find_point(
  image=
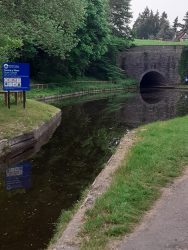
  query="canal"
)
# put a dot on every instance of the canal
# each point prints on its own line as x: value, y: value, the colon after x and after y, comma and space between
x: 35, y: 189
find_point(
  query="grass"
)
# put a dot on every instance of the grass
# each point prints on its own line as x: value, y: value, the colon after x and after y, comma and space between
x: 159, y: 156
x: 141, y: 42
x: 17, y: 120
x: 185, y: 86
x: 57, y: 89
x: 63, y: 220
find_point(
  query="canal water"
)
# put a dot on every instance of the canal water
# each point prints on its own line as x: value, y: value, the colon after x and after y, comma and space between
x: 35, y: 190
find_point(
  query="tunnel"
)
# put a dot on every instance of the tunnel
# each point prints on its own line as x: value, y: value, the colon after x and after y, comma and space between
x: 152, y: 79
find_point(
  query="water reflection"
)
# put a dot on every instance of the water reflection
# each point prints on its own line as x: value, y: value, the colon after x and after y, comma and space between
x: 148, y: 107
x: 154, y: 95
x: 70, y: 161
x: 18, y: 176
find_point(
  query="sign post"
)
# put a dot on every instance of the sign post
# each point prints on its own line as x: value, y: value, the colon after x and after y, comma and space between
x: 24, y: 99
x: 16, y: 77
x: 8, y: 99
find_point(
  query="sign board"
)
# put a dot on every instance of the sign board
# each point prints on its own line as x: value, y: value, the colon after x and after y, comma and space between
x: 16, y: 76
x: 19, y: 176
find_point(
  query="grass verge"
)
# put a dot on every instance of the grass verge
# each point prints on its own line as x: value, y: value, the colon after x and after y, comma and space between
x: 141, y: 42
x: 17, y: 120
x: 57, y: 89
x: 159, y: 155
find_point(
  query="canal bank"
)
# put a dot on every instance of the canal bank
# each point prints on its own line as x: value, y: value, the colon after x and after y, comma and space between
x: 72, y: 159
x: 116, y: 212
x: 154, y: 161
x: 73, y: 88
x: 22, y: 128
x: 116, y: 203
x: 69, y: 239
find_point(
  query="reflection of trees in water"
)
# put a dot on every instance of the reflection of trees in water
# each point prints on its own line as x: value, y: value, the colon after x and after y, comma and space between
x: 62, y: 169
x: 85, y: 134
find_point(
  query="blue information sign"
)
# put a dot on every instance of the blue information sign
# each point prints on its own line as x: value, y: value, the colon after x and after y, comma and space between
x: 16, y: 76
x: 19, y: 176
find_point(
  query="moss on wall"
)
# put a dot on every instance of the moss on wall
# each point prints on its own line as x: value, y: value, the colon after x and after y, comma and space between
x: 183, y: 64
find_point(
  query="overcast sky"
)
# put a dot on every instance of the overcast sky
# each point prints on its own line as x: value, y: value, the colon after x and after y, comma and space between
x: 173, y: 8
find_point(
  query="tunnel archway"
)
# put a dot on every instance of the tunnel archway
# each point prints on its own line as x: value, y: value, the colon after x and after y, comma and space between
x: 152, y: 79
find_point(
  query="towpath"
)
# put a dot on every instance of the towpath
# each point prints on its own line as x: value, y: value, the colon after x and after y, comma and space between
x: 165, y: 227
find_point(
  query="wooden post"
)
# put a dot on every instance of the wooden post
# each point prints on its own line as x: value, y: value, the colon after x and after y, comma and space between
x: 6, y: 98
x: 16, y: 98
x: 9, y: 99
x: 24, y: 99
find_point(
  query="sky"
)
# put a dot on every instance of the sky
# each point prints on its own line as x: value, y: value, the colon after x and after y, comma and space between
x: 173, y: 8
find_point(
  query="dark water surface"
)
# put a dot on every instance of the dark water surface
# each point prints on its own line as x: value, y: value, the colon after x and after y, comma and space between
x: 34, y: 191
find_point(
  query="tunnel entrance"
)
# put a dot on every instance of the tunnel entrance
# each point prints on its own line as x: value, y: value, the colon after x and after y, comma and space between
x: 152, y: 79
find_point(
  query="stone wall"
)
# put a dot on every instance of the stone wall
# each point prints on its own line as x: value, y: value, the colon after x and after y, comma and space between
x: 138, y: 61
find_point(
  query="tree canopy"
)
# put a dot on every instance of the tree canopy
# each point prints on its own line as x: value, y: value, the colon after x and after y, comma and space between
x: 120, y: 16
x: 61, y: 36
x: 185, y: 24
x: 152, y: 25
x: 94, y: 37
x: 47, y: 24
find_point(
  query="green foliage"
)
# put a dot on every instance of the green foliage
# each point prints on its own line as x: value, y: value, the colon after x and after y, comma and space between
x: 49, y: 25
x: 72, y: 87
x: 8, y: 48
x: 120, y: 16
x: 63, y: 37
x: 141, y: 42
x: 106, y: 67
x: 165, y: 31
x: 149, y: 26
x: 152, y: 163
x: 185, y: 24
x: 175, y: 24
x: 183, y: 64
x: 93, y: 38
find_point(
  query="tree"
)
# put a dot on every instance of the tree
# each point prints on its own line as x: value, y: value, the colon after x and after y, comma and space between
x: 120, y: 16
x: 106, y: 67
x: 49, y: 25
x: 147, y: 24
x: 185, y: 25
x: 165, y: 32
x: 93, y: 38
x: 8, y: 49
x: 175, y: 24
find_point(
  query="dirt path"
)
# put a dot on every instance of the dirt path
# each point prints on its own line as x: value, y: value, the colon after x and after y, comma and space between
x: 165, y: 227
